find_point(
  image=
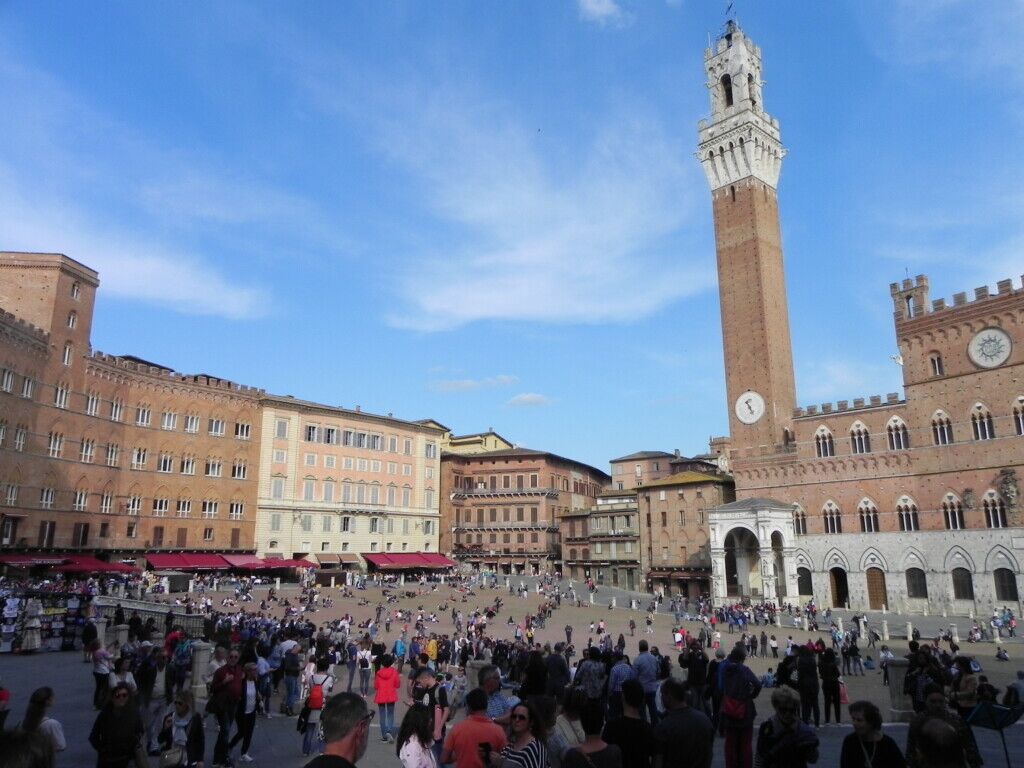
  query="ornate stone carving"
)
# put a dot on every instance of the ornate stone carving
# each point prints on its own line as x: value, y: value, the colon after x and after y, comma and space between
x: 1007, y: 485
x: 968, y: 497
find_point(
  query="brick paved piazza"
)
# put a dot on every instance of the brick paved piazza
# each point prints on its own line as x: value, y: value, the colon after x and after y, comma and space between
x: 277, y: 743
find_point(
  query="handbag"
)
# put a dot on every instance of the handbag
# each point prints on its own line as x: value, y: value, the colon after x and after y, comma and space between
x: 844, y: 697
x: 733, y: 708
x: 172, y: 758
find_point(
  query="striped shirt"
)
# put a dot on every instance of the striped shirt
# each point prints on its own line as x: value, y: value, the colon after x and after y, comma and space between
x: 533, y: 755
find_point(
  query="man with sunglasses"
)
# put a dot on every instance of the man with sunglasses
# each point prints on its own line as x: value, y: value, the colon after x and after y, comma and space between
x: 345, y: 720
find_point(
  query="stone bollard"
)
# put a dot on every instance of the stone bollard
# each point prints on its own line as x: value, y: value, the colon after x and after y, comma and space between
x: 591, y: 598
x: 277, y: 584
x: 885, y: 630
x: 862, y: 628
x: 839, y: 624
x: 778, y: 619
x: 191, y: 586
x: 954, y: 633
x: 332, y: 581
x: 613, y: 602
x: 901, y: 707
x: 885, y: 609
x: 101, y: 630
x: 201, y: 654
x: 805, y: 624
x: 120, y: 634
x: 910, y: 632
x: 473, y: 667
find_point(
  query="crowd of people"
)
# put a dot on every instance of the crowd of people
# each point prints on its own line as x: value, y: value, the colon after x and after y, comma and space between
x: 529, y: 705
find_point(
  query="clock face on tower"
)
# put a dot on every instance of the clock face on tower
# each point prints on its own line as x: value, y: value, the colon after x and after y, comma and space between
x: 749, y: 407
x: 990, y: 347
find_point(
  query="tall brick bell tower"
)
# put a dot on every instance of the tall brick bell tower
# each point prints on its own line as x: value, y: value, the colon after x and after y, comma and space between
x: 741, y: 153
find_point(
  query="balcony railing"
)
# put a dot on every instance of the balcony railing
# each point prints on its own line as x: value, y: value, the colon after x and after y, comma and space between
x: 469, y: 493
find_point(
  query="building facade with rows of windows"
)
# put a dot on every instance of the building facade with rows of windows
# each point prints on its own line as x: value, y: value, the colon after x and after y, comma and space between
x: 905, y: 502
x: 111, y: 454
x: 503, y: 509
x: 344, y: 482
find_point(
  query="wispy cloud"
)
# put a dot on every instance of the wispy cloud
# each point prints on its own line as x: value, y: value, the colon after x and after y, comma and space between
x: 470, y: 385
x: 529, y: 400
x: 602, y: 11
x: 131, y: 265
x: 75, y: 180
x: 536, y: 234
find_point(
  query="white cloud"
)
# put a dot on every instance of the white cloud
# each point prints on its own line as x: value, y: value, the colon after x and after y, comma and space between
x: 538, y: 234
x: 529, y: 400
x: 131, y: 265
x: 470, y: 385
x: 601, y: 11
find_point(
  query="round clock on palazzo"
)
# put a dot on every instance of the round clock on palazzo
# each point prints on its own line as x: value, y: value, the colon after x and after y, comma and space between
x: 749, y: 407
x: 990, y: 347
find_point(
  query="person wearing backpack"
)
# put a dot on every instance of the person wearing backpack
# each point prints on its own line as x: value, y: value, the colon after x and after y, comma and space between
x: 292, y: 667
x: 320, y: 685
x: 739, y: 688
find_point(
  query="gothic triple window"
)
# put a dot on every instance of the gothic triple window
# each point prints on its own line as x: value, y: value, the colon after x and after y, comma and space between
x: 906, y: 511
x: 860, y: 438
x: 868, y: 514
x: 981, y: 423
x: 799, y: 521
x: 824, y: 446
x: 899, y: 437
x: 995, y: 510
x: 942, y: 429
x: 832, y: 518
x: 1018, y: 416
x: 953, y: 513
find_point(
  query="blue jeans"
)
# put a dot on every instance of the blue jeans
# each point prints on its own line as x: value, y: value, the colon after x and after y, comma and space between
x: 311, y: 741
x: 651, y: 699
x: 387, y: 719
x: 291, y: 686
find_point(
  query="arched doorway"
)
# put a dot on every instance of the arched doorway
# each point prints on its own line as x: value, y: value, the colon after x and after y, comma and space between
x: 779, y: 566
x: 742, y: 574
x: 840, y: 589
x: 803, y: 581
x: 877, y: 596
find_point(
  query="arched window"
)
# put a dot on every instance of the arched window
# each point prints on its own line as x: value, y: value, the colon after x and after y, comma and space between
x: 799, y: 521
x: 803, y: 581
x: 917, y: 583
x: 952, y: 513
x: 906, y: 511
x: 899, y: 438
x: 72, y: 319
x: 860, y: 439
x: 935, y: 362
x: 942, y: 429
x: 832, y: 518
x: 823, y: 444
x: 963, y: 584
x: 1018, y: 416
x: 273, y: 544
x: 981, y: 423
x: 1006, y: 585
x: 572, y: 554
x: 868, y: 514
x: 995, y: 510
x: 727, y: 89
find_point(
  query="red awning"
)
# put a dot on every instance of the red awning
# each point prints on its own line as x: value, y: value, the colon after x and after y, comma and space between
x: 282, y: 563
x: 90, y: 564
x: 245, y: 562
x: 399, y: 561
x: 163, y: 560
x: 26, y: 561
x: 204, y: 561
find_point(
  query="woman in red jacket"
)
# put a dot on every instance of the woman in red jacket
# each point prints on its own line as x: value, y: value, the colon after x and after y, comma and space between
x: 385, y: 686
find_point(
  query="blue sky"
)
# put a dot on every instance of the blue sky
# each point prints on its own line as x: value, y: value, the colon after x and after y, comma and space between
x: 489, y: 213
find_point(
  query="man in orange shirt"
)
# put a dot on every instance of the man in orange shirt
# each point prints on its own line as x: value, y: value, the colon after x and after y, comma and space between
x: 472, y: 737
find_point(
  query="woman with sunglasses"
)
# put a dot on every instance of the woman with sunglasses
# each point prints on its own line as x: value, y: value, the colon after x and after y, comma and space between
x: 784, y: 740
x: 118, y: 728
x: 526, y: 747
x: 182, y: 735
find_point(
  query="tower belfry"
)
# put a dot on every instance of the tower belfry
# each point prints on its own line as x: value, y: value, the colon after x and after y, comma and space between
x: 741, y: 153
